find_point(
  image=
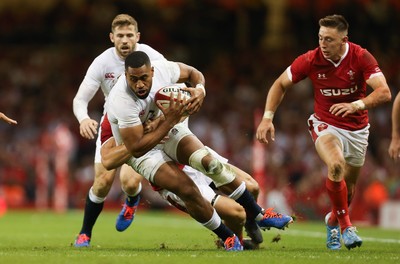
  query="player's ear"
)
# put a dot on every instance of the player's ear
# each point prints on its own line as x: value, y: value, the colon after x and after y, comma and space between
x: 111, y: 37
x: 138, y: 36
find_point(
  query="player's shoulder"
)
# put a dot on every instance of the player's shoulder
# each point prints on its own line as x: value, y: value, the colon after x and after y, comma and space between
x: 151, y: 52
x: 312, y: 55
x: 357, y: 49
x: 106, y: 56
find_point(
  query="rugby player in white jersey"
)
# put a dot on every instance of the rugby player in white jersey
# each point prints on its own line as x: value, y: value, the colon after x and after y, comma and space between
x: 103, y: 73
x: 131, y: 104
x: 231, y: 212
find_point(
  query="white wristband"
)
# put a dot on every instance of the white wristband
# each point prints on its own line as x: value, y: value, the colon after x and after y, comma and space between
x: 359, y: 104
x: 201, y: 86
x: 268, y: 115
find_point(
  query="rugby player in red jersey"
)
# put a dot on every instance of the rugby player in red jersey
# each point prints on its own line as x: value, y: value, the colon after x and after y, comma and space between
x: 340, y: 72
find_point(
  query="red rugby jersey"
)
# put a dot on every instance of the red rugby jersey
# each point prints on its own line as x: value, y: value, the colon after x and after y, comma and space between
x: 337, y: 82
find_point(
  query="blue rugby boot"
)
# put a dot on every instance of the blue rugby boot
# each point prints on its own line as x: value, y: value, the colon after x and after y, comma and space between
x: 332, y: 235
x: 233, y: 244
x: 273, y: 219
x: 126, y: 215
x: 82, y: 240
x: 350, y: 238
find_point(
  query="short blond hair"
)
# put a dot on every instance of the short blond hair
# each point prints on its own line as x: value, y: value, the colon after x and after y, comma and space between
x: 123, y: 20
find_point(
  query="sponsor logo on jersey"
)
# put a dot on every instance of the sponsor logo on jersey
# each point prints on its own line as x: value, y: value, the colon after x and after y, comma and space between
x: 321, y: 76
x: 109, y: 75
x: 337, y: 92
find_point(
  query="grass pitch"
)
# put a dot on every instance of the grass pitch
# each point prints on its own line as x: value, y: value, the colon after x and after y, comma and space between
x: 166, y: 237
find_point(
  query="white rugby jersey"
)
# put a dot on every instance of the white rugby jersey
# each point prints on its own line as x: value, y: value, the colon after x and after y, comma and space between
x: 103, y: 73
x: 125, y: 109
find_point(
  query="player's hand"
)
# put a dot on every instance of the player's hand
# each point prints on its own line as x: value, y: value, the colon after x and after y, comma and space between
x: 7, y: 119
x: 394, y: 149
x: 88, y: 128
x: 196, y: 99
x: 265, y: 128
x: 176, y: 110
x: 343, y: 109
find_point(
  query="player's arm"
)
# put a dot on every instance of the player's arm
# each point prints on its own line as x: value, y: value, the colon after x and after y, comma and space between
x: 380, y: 95
x: 87, y: 126
x: 7, y: 119
x: 274, y: 98
x: 394, y: 148
x: 196, y: 79
x: 113, y: 156
x: 139, y: 143
x: 381, y: 92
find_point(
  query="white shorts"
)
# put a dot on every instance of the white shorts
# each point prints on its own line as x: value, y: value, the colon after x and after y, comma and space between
x: 354, y: 143
x: 175, y: 135
x: 148, y: 164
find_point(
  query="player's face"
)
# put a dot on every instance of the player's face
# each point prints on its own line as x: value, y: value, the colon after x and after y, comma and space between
x: 140, y: 80
x: 332, y: 43
x: 124, y: 39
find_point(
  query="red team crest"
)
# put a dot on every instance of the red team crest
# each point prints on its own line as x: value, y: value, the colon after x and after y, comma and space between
x: 322, y: 127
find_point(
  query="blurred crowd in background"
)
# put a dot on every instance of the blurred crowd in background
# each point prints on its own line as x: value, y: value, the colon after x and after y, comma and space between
x: 241, y: 47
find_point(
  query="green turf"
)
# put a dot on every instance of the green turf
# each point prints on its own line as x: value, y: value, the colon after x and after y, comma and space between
x: 165, y: 237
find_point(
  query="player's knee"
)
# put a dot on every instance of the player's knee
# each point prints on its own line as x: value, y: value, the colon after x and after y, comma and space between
x: 102, y: 183
x: 130, y: 182
x: 336, y: 169
x: 203, y: 161
x: 253, y: 187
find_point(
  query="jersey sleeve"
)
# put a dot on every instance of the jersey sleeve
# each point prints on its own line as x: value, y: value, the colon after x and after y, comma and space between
x: 369, y: 64
x: 300, y: 68
x: 87, y: 90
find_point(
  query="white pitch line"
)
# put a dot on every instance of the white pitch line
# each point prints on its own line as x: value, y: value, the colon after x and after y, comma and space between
x: 323, y: 235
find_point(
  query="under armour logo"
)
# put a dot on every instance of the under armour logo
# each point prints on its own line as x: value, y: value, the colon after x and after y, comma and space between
x: 341, y: 212
x: 321, y: 76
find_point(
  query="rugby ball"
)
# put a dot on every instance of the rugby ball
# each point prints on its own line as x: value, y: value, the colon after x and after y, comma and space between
x: 164, y: 94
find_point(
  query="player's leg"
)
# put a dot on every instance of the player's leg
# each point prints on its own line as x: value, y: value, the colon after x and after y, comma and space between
x: 251, y: 184
x: 131, y: 185
x: 251, y: 226
x: 330, y: 149
x: 184, y: 147
x: 94, y: 203
x: 173, y: 179
x: 232, y: 213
